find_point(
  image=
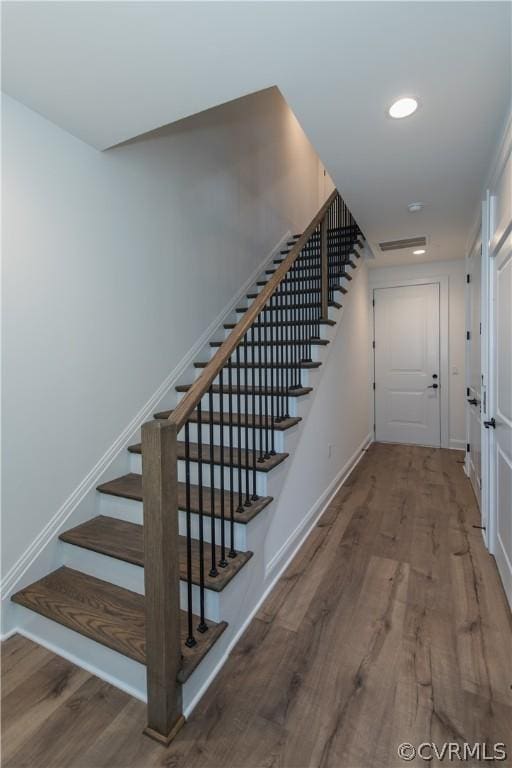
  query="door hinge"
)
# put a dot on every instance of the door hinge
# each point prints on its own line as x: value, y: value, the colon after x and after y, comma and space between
x: 373, y: 344
x: 468, y: 392
x: 480, y: 329
x: 468, y: 448
x: 374, y: 385
x: 468, y: 278
x: 468, y: 335
x: 373, y: 302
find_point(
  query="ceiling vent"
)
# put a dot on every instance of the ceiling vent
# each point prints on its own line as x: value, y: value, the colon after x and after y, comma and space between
x: 395, y: 245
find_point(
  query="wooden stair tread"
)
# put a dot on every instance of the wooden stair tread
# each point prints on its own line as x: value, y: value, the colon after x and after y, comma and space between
x: 297, y: 392
x: 313, y: 341
x: 295, y: 294
x: 130, y: 487
x: 110, y: 615
x: 314, y: 271
x: 241, y: 458
x: 125, y: 541
x: 236, y: 418
x: 312, y: 257
x: 308, y: 305
x: 300, y: 281
x: 301, y: 364
x: 286, y: 322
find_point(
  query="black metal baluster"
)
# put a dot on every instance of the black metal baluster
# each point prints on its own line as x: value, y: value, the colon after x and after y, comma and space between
x: 203, y: 626
x: 222, y: 562
x: 290, y: 320
x: 274, y: 384
x: 296, y: 320
x: 281, y: 304
x: 213, y: 565
x: 247, y: 501
x: 311, y: 296
x: 319, y: 282
x: 260, y: 320
x: 267, y: 321
x: 232, y: 552
x: 255, y: 366
x: 190, y: 641
x: 333, y: 247
x: 239, y: 430
x: 282, y: 350
x: 286, y: 329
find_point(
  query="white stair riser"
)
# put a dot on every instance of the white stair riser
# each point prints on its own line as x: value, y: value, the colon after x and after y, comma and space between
x: 261, y: 477
x: 110, y: 665
x: 131, y: 577
x: 273, y: 333
x: 292, y: 404
x: 279, y: 436
x: 290, y: 354
x: 272, y: 377
x: 291, y: 315
x: 131, y: 511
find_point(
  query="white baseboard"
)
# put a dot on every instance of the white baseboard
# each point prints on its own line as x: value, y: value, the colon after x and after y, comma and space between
x: 117, y: 680
x: 286, y: 555
x: 457, y: 445
x: 94, y: 477
x: 504, y: 567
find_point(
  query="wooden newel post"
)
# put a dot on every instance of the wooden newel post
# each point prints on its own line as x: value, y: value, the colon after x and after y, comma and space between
x: 324, y: 269
x: 161, y: 579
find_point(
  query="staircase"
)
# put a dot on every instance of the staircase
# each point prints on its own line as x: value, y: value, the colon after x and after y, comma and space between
x: 202, y: 469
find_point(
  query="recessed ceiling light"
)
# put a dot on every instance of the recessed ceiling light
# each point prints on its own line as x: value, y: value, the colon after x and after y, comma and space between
x: 403, y: 107
x: 415, y: 207
x: 419, y: 252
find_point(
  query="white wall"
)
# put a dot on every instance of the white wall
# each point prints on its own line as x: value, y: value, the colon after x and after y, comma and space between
x: 336, y: 425
x: 114, y: 265
x: 455, y: 272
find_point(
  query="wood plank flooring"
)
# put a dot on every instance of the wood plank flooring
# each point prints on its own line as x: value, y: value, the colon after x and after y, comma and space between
x: 390, y: 625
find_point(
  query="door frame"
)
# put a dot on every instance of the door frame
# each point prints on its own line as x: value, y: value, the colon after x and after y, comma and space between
x: 444, y: 372
x: 486, y: 352
x: 472, y: 253
x: 493, y: 249
x: 492, y: 240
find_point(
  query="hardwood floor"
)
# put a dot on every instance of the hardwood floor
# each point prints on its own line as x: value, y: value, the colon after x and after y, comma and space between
x: 389, y: 626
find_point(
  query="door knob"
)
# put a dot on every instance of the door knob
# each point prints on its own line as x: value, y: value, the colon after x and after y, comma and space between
x: 490, y: 423
x: 434, y: 375
x: 433, y: 386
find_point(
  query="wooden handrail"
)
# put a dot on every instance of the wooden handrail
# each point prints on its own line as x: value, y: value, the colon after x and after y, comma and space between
x: 185, y: 407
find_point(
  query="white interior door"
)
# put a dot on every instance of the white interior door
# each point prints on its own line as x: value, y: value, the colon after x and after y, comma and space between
x: 474, y: 368
x: 407, y: 373
x: 501, y: 434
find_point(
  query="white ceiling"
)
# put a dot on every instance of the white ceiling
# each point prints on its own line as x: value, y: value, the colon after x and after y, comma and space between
x: 108, y: 71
